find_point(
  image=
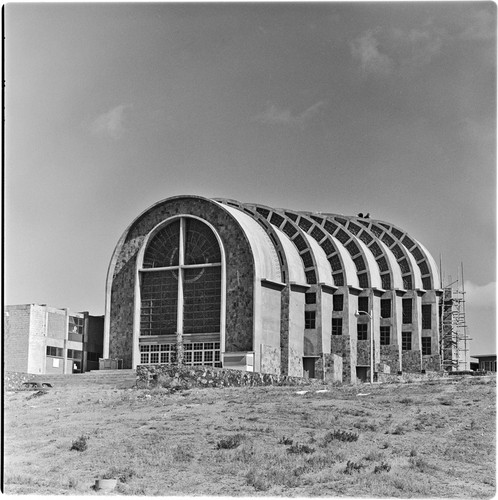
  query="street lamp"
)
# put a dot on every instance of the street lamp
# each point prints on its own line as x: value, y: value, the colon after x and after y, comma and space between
x: 370, y: 316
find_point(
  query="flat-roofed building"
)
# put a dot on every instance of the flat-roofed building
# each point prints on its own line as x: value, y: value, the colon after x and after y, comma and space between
x: 39, y: 339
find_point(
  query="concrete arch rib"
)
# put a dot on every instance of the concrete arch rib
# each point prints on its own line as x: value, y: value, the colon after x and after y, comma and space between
x: 322, y: 264
x: 341, y: 264
x: 265, y: 256
x: 392, y: 235
x: 380, y: 242
x: 295, y: 264
x: 270, y: 230
x: 386, y: 263
x: 279, y: 219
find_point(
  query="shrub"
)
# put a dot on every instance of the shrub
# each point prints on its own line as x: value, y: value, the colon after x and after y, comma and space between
x: 344, y: 436
x: 300, y: 448
x: 406, y: 401
x: 230, y: 442
x: 352, y: 467
x: 80, y: 444
x: 399, y: 430
x: 383, y: 467
x: 284, y: 440
x: 420, y: 464
x: 257, y: 480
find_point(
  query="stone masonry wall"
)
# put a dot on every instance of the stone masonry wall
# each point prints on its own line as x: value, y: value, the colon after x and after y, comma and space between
x: 205, y: 376
x: 412, y: 361
x: 13, y: 380
x: 389, y: 355
x: 239, y: 274
x: 431, y: 363
x: 363, y: 350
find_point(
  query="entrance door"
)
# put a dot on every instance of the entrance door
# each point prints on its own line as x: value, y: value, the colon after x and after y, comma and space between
x: 309, y: 367
x: 361, y: 373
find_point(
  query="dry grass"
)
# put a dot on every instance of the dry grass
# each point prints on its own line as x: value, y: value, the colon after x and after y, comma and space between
x: 401, y: 440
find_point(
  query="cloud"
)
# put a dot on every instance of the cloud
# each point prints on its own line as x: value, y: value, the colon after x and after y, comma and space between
x: 280, y: 116
x: 381, y: 52
x: 481, y: 27
x: 480, y: 296
x: 110, y: 124
x: 365, y: 49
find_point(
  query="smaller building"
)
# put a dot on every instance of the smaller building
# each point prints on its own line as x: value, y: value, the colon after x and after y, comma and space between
x: 39, y: 339
x: 485, y: 362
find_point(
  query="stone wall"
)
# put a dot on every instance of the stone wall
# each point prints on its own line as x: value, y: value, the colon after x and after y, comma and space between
x: 431, y: 363
x: 412, y: 361
x: 363, y: 350
x: 392, y: 378
x: 12, y: 381
x: 389, y: 355
x: 332, y: 368
x: 205, y: 376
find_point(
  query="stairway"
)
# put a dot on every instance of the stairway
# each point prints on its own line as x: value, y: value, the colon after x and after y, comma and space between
x: 119, y: 379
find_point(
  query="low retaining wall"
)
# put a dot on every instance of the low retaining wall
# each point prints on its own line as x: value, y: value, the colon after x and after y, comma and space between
x: 407, y: 377
x: 178, y: 376
x: 12, y: 381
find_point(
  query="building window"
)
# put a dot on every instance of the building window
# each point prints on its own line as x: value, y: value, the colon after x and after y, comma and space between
x: 309, y: 320
x: 385, y: 308
x: 73, y: 354
x: 194, y: 354
x: 363, y: 304
x: 336, y: 326
x: 184, y: 258
x: 75, y: 325
x: 338, y: 302
x: 406, y: 341
x: 362, y: 329
x: 426, y: 346
x: 407, y: 311
x: 310, y: 298
x: 426, y: 316
x: 385, y: 335
x: 55, y: 351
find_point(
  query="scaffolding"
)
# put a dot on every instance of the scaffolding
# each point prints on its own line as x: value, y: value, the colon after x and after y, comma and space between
x: 453, y: 327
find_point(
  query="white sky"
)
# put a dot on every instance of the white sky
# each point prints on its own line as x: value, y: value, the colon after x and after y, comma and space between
x: 335, y: 107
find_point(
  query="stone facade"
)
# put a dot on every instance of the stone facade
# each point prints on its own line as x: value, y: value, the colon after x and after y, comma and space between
x: 389, y: 355
x: 412, y: 361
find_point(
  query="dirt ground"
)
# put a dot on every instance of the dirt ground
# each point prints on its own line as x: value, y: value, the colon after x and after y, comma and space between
x: 431, y: 439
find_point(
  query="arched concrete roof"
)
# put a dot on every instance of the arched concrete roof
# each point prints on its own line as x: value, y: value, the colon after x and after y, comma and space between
x: 396, y: 278
x: 294, y: 262
x: 351, y: 277
x: 265, y: 256
x: 322, y: 264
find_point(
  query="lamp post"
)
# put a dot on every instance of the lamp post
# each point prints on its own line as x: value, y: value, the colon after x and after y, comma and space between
x: 371, y: 318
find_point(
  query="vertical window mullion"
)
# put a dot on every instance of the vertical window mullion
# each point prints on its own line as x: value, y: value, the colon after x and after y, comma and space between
x: 181, y: 261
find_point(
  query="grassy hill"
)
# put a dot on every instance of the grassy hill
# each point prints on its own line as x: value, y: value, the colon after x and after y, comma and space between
x: 431, y: 439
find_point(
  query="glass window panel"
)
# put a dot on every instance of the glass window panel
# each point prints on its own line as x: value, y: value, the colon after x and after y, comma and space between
x: 202, y: 300
x: 159, y: 303
x: 162, y: 250
x: 201, y: 245
x: 165, y: 357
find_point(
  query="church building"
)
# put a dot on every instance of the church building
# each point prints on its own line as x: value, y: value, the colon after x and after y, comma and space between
x: 279, y: 291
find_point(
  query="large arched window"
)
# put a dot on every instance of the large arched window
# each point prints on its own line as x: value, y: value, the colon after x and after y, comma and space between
x: 180, y: 290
